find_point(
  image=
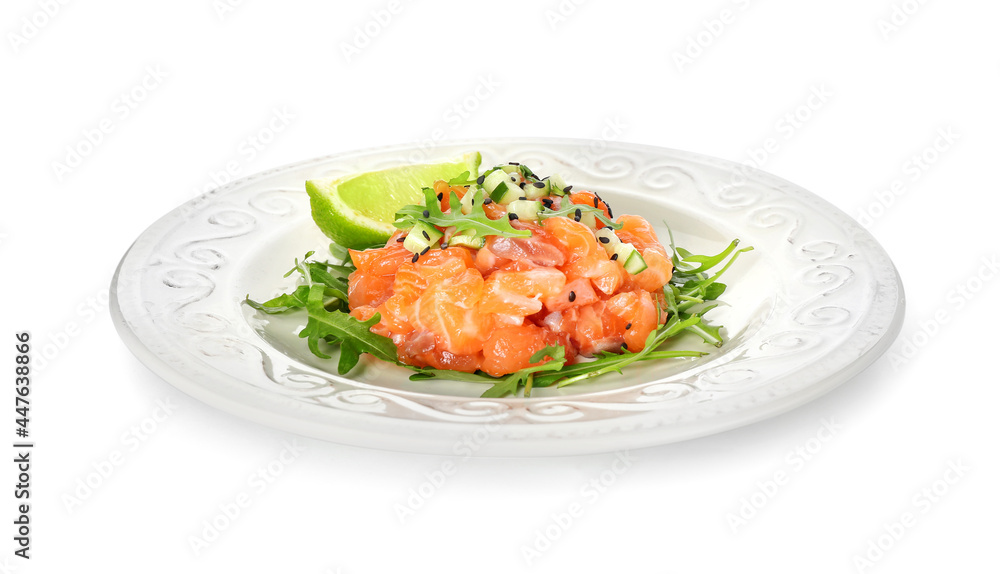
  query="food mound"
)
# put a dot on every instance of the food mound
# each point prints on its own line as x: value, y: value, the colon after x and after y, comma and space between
x: 507, y: 279
x: 489, y: 272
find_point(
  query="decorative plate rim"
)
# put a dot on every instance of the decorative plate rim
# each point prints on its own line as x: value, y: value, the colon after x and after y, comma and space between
x: 352, y: 412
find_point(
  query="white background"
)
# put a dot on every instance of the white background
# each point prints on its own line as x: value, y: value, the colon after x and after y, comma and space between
x: 894, y: 76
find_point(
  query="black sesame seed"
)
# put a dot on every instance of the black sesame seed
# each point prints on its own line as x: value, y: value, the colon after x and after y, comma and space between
x: 427, y: 237
x: 415, y: 257
x: 444, y: 246
x: 577, y: 214
x: 522, y: 198
x: 426, y: 249
x: 567, y: 188
x: 401, y: 239
x: 629, y: 326
x: 624, y: 346
x: 514, y: 163
x: 427, y: 213
x: 615, y: 256
x: 572, y: 296
x: 604, y: 239
x: 512, y: 216
x: 521, y: 185
x: 611, y: 215
x: 440, y: 196
x: 481, y: 179
x: 538, y: 184
x: 596, y: 201
x: 488, y: 201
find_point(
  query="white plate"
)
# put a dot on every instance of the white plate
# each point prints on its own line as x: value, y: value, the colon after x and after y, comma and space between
x: 815, y: 302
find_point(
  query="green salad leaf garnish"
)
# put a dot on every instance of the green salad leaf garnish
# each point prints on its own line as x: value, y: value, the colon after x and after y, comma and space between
x: 475, y: 221
x: 323, y: 295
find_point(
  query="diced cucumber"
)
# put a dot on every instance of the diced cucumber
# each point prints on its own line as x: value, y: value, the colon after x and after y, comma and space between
x: 535, y: 190
x: 474, y: 194
x: 421, y: 236
x: 524, y: 170
x: 494, y: 178
x: 505, y: 194
x: 630, y: 258
x: 607, y: 238
x: 556, y: 184
x: 502, y: 186
x: 584, y: 216
x: 467, y: 239
x: 525, y: 209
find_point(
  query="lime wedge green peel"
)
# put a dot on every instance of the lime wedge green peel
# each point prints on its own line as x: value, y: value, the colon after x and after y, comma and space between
x: 358, y: 211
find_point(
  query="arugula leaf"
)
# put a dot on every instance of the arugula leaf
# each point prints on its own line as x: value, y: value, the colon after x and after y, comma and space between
x: 324, y: 297
x: 609, y: 363
x: 501, y: 386
x: 339, y: 252
x: 522, y: 378
x: 426, y: 373
x: 462, y: 179
x: 476, y: 220
x: 333, y: 277
x: 714, y: 291
x: 506, y: 386
x: 284, y: 302
x: 355, y: 337
x: 568, y: 209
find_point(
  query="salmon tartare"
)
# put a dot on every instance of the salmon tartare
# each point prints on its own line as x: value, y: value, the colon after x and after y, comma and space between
x: 467, y: 308
x: 510, y: 279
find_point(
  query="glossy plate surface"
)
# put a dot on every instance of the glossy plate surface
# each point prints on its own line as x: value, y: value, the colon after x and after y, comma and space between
x: 815, y: 302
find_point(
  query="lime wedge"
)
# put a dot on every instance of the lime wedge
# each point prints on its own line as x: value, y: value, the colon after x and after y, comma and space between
x: 357, y: 211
